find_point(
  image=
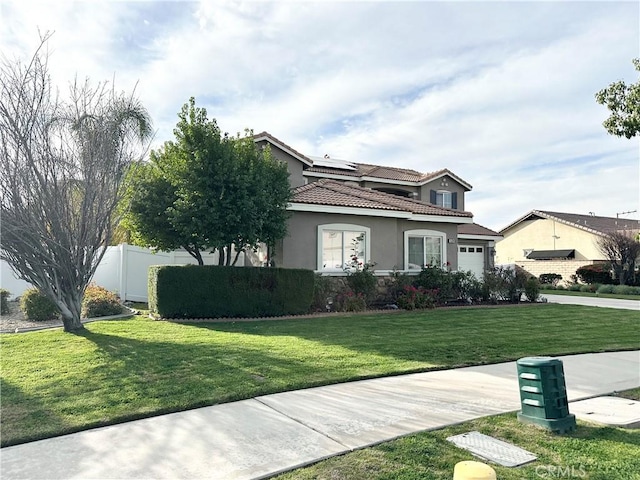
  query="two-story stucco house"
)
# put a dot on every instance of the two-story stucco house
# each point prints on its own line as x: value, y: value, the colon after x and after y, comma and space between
x: 399, y: 219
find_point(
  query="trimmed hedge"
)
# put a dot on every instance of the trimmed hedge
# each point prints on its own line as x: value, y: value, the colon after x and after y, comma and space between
x: 596, y: 273
x: 209, y: 291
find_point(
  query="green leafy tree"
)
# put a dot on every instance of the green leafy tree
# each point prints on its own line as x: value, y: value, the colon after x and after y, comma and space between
x: 624, y: 103
x: 208, y: 191
x: 63, y: 161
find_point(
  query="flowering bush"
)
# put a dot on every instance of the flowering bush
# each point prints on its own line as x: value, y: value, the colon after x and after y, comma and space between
x: 417, y: 297
x: 352, y: 302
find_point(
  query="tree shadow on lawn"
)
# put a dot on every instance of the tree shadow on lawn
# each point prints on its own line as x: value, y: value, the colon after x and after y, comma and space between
x: 128, y: 379
x: 23, y: 415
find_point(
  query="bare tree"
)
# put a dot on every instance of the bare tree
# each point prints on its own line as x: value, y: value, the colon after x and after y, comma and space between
x: 622, y: 250
x: 62, y: 165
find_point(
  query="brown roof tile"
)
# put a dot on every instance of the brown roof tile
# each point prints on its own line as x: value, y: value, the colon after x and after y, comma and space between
x: 591, y: 223
x: 335, y: 193
x: 476, y: 229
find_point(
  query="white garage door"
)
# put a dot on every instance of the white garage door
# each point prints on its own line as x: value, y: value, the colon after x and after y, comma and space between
x: 471, y: 257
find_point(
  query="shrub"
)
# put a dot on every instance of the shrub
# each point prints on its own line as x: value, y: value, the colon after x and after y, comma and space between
x: 466, y: 286
x: 625, y: 290
x: 596, y: 273
x: 322, y: 291
x: 100, y: 302
x: 590, y: 288
x: 400, y: 282
x: 217, y: 291
x: 551, y: 279
x: 560, y: 287
x: 351, y: 302
x: 37, y: 307
x: 4, y: 301
x: 363, y: 282
x: 574, y: 288
x: 437, y: 279
x: 532, y: 289
x: 605, y: 289
x: 417, y: 297
x: 504, y: 283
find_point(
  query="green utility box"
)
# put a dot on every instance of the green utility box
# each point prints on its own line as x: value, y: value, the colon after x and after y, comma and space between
x: 543, y: 394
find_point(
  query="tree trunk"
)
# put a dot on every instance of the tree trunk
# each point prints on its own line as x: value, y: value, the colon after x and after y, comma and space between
x: 221, y: 256
x: 70, y: 307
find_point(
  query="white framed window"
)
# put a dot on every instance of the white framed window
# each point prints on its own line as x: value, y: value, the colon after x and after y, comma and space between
x: 424, y: 248
x: 341, y: 243
x: 444, y: 199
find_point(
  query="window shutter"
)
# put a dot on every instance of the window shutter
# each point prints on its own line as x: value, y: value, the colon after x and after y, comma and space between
x: 432, y: 197
x: 454, y: 200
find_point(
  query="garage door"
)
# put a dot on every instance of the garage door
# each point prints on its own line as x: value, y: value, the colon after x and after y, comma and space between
x: 471, y: 257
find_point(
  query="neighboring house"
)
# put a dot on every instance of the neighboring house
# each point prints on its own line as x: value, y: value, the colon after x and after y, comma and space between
x: 555, y: 242
x: 399, y: 219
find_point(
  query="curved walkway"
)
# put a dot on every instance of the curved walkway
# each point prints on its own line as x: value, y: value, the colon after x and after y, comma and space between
x: 261, y: 437
x: 594, y: 301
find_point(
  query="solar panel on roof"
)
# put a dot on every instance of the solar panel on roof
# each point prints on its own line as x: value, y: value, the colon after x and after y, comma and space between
x: 329, y: 162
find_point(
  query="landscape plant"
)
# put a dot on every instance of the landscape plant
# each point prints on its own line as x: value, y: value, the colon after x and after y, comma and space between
x: 37, y: 307
x: 63, y: 160
x: 550, y: 279
x: 208, y: 191
x: 100, y: 302
x: 532, y: 289
x: 4, y: 301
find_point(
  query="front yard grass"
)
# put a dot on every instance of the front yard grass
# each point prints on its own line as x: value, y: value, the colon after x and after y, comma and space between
x: 591, y: 452
x: 55, y: 383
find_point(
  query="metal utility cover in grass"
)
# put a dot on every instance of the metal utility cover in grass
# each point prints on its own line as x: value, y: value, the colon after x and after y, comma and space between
x: 492, y: 449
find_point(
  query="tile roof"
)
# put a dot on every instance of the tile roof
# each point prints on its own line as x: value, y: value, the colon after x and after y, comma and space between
x: 340, y: 194
x: 476, y: 229
x: 364, y: 169
x: 270, y: 138
x: 590, y: 223
x: 388, y: 173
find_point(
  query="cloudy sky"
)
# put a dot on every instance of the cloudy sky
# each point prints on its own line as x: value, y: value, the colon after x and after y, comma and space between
x: 501, y: 93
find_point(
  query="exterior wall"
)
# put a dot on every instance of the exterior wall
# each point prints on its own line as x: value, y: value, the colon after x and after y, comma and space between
x: 294, y: 165
x: 437, y: 185
x: 565, y: 268
x: 389, y: 186
x: 387, y: 239
x: 545, y: 234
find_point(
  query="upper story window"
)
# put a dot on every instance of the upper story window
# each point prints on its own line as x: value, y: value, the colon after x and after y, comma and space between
x: 340, y: 244
x: 444, y: 198
x: 424, y: 248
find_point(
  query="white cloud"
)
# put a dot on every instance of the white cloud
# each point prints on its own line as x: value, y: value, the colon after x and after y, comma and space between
x: 499, y: 92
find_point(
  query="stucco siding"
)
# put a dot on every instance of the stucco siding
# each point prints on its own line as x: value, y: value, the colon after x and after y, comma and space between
x: 300, y: 248
x: 295, y: 166
x: 453, y: 187
x: 545, y: 234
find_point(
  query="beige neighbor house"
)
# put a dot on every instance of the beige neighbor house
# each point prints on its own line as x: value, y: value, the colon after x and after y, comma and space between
x: 554, y: 242
x: 397, y: 218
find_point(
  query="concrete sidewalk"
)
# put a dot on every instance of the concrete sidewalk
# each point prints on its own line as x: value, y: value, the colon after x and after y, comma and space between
x: 260, y: 437
x: 594, y: 301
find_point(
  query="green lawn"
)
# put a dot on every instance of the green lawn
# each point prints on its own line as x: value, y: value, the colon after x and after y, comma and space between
x: 591, y: 452
x: 55, y: 382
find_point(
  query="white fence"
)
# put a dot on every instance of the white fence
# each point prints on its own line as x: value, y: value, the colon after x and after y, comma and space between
x: 123, y: 270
